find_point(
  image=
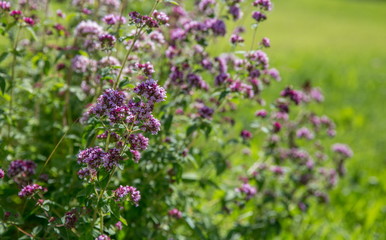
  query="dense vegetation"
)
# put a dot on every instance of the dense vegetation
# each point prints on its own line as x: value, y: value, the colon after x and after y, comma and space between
x: 166, y: 119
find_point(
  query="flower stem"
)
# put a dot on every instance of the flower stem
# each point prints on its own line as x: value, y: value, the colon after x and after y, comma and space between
x: 136, y: 37
x: 12, y: 82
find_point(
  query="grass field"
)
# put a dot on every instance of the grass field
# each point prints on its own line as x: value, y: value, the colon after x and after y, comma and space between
x: 341, y: 46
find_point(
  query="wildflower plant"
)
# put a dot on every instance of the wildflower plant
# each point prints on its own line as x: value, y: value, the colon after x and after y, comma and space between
x: 135, y: 127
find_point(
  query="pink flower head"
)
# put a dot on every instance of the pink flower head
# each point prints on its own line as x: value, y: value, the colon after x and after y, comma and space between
x: 258, y: 16
x: 343, y: 149
x: 15, y: 13
x: 30, y: 190
x: 134, y: 195
x: 246, y: 135
x: 118, y: 225
x: 103, y: 237
x: 263, y: 4
x: 248, y: 190
x: 276, y: 127
x: 265, y: 42
x: 29, y: 21
x: 175, y: 213
x: 261, y: 113
x: 5, y: 6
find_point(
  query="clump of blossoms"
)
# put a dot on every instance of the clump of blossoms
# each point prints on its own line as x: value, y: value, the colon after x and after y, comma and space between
x: 30, y: 190
x: 129, y: 192
x: 132, y: 115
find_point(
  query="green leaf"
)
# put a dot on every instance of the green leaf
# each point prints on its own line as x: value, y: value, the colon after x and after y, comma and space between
x: 32, y: 32
x: 172, y: 2
x: 123, y: 220
x: 191, y: 130
x: 193, y: 226
x: 168, y: 122
x: 3, y: 56
x: 2, y: 83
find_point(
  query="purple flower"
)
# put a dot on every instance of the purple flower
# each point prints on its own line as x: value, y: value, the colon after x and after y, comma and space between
x: 261, y: 113
x: 277, y: 170
x: 175, y: 213
x: 87, y: 173
x: 175, y: 35
x: 343, y: 149
x: 248, y: 190
x: 235, y: 11
x: 110, y: 19
x: 260, y: 57
x: 107, y: 40
x: 276, y: 127
x: 236, y: 39
x: 151, y: 125
x: 157, y: 37
x: 304, y: 133
x: 86, y: 11
x: 151, y: 91
x: 81, y: 3
x: 317, y: 95
x: 203, y: 5
x: 93, y: 157
x: 218, y: 27
x: 221, y: 78
x: 6, y: 6
x: 107, y: 102
x: 111, y: 3
x: 60, y: 14
x: 274, y: 73
x: 108, y: 61
x: 88, y: 27
x: 1, y: 173
x: 23, y: 168
x: 82, y: 64
x: 205, y: 112
x: 258, y: 16
x: 147, y: 68
x: 29, y: 21
x: 118, y: 225
x: 246, y: 135
x: 15, y: 13
x: 30, y: 190
x: 70, y: 219
x: 161, y: 17
x: 136, y: 155
x: 265, y: 42
x: 134, y: 195
x: 263, y: 4
x: 103, y: 237
x: 295, y: 96
x: 113, y: 136
x: 138, y: 141
x: 197, y: 81
x: 112, y: 158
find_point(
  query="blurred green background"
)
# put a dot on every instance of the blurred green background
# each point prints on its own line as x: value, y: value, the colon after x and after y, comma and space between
x: 340, y: 45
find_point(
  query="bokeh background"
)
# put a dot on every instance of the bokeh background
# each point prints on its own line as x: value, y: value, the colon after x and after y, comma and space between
x: 340, y: 45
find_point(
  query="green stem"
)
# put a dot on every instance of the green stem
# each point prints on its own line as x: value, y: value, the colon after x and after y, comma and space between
x: 253, y: 38
x: 13, y: 78
x: 136, y: 37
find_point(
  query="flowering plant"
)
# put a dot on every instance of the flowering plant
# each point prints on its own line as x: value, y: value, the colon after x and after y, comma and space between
x: 139, y: 127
